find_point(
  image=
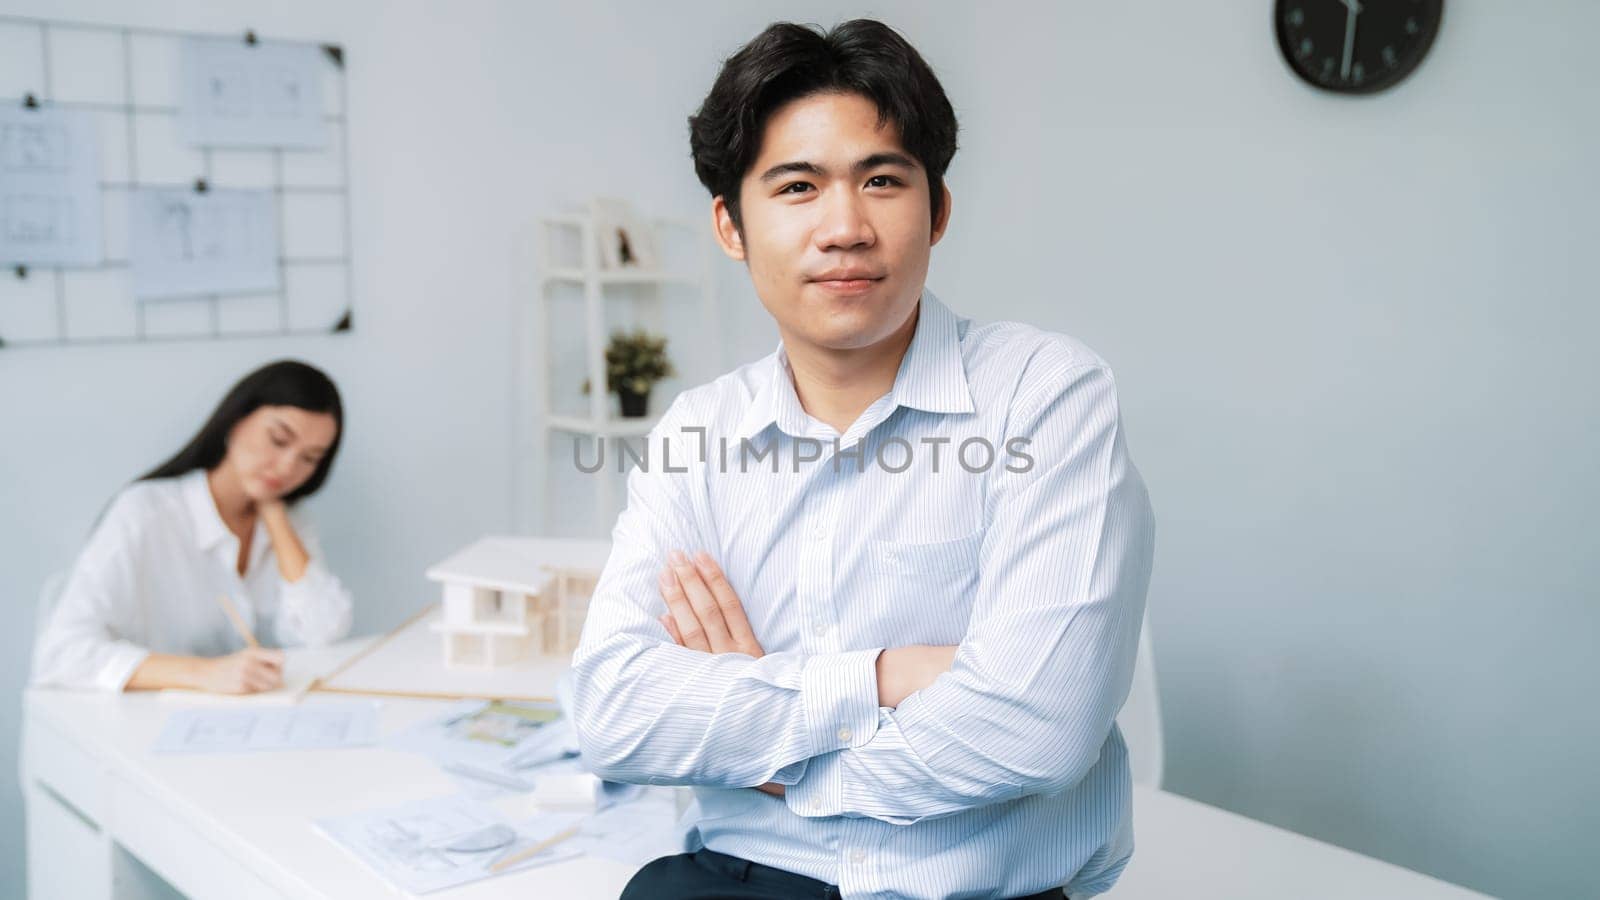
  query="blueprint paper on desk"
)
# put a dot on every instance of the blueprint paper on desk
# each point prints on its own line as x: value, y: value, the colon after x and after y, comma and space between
x: 316, y: 726
x: 535, y: 751
x: 495, y: 747
x: 414, y: 846
x: 485, y: 734
x: 645, y: 827
x: 49, y: 188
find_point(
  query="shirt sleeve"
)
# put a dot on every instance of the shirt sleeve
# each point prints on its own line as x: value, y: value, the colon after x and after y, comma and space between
x: 649, y: 711
x: 1048, y: 656
x: 84, y: 643
x: 315, y: 609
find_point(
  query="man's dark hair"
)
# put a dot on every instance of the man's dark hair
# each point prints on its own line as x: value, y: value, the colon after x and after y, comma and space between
x: 787, y: 62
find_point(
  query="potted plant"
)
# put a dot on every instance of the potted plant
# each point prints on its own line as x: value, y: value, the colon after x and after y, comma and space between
x: 634, y: 363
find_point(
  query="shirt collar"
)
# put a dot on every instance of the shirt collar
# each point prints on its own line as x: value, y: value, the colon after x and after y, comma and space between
x: 211, y: 534
x: 209, y: 530
x: 932, y: 376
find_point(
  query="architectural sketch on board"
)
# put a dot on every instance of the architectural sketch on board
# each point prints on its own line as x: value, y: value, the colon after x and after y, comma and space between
x: 252, y: 95
x: 186, y: 243
x: 49, y: 188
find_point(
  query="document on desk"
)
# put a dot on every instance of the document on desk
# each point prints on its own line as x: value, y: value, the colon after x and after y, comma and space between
x: 487, y: 734
x: 636, y: 831
x: 442, y: 842
x: 313, y: 726
x: 498, y: 746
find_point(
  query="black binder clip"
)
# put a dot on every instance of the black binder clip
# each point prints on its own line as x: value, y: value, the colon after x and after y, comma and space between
x: 30, y: 102
x: 22, y: 272
x: 200, y: 186
x: 250, y: 38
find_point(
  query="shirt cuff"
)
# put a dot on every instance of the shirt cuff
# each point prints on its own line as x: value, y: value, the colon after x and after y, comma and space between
x: 313, y: 611
x: 821, y: 792
x: 119, y: 666
x: 791, y: 774
x: 840, y: 693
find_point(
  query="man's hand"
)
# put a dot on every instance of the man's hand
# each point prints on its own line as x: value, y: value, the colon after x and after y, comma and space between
x: 705, y: 614
x: 703, y: 611
x: 902, y: 671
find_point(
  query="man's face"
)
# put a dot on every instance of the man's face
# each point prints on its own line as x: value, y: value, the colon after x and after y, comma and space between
x: 836, y: 223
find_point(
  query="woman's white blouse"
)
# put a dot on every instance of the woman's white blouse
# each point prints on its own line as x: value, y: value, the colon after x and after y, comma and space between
x: 148, y: 580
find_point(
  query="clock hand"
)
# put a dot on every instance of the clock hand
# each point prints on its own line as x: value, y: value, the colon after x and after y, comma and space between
x: 1354, y: 9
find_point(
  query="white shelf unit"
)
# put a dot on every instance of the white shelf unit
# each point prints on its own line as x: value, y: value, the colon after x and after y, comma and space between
x: 613, y: 426
x: 599, y: 421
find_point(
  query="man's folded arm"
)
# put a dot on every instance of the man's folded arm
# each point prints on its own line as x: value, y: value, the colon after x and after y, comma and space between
x: 649, y: 711
x: 1048, y: 657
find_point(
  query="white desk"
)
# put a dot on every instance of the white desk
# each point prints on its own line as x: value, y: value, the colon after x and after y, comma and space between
x: 1184, y: 849
x: 237, y: 826
x: 233, y: 826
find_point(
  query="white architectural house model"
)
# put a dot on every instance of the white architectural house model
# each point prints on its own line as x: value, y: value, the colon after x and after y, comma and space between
x: 506, y: 599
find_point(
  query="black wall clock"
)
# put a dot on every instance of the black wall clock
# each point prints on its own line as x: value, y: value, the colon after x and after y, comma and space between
x: 1356, y: 46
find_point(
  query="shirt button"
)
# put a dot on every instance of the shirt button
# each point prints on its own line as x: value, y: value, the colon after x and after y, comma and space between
x: 819, y: 629
x: 816, y: 806
x: 858, y: 856
x: 818, y: 530
x: 844, y: 734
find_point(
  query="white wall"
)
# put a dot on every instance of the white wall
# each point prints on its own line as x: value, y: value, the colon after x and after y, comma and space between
x: 1354, y: 340
x: 1347, y: 334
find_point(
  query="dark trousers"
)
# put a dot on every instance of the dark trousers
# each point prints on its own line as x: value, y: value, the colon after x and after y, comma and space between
x: 709, y: 875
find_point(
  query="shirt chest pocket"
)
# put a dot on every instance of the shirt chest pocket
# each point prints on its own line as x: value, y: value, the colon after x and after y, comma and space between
x: 924, y: 590
x: 934, y: 559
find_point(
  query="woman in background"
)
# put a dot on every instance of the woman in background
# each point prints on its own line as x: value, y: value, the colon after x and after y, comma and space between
x: 140, y: 610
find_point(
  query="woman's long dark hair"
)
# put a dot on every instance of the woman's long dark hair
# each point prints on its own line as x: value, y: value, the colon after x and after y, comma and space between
x: 283, y: 383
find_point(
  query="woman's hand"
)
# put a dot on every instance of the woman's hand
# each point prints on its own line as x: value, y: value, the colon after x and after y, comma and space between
x: 272, y: 508
x: 249, y: 671
x: 286, y: 546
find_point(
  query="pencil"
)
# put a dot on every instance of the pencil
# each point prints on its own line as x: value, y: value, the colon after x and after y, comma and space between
x: 238, y: 621
x: 521, y: 855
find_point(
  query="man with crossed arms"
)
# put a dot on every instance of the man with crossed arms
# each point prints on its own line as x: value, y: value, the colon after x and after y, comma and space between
x: 888, y: 662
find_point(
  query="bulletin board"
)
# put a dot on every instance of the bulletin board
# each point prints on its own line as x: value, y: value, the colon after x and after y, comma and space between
x: 128, y: 80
